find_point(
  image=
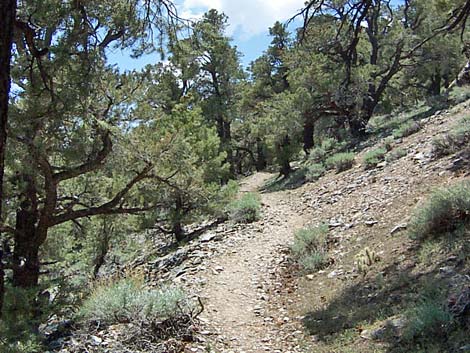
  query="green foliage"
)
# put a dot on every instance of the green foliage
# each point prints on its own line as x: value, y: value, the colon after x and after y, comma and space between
x: 430, y: 320
x: 327, y: 147
x: 340, y: 161
x: 395, y: 154
x: 22, y: 313
x: 246, y: 209
x: 453, y: 141
x: 314, y: 171
x: 445, y: 212
x: 459, y: 94
x: 127, y: 300
x: 317, y: 155
x: 373, y: 157
x: 310, y: 247
x: 388, y: 143
x: 406, y: 129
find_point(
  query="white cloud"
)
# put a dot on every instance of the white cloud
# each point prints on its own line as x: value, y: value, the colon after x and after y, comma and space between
x: 246, y: 17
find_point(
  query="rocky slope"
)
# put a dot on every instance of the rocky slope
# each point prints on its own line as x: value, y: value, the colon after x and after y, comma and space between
x: 254, y: 295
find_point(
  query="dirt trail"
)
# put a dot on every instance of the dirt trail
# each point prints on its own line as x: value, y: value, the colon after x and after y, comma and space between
x: 239, y: 305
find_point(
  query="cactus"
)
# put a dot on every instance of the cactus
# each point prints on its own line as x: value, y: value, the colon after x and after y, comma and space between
x: 365, y: 259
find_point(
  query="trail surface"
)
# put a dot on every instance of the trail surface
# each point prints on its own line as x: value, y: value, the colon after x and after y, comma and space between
x: 244, y: 305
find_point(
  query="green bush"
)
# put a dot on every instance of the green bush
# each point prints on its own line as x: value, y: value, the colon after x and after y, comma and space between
x: 327, y: 147
x: 317, y: 155
x: 310, y: 247
x: 247, y: 209
x: 22, y: 315
x: 314, y: 171
x: 127, y: 300
x: 374, y: 157
x: 454, y: 141
x: 396, y: 154
x: 459, y: 94
x: 446, y: 211
x: 430, y: 320
x: 331, y: 145
x: 340, y: 161
x: 406, y: 129
x: 388, y: 143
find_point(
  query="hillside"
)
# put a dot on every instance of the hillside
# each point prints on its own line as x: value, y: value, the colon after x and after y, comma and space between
x: 257, y: 299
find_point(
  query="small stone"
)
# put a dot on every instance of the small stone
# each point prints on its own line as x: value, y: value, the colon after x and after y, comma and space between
x: 96, y: 340
x: 398, y: 228
x: 310, y: 277
x: 334, y: 273
x: 370, y: 223
x: 207, y: 237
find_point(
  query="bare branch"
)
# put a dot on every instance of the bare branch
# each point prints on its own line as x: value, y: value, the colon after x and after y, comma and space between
x: 110, y: 207
x: 91, y: 164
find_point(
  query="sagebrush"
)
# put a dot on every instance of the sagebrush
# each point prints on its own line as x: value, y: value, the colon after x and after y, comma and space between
x: 247, y: 209
x: 446, y: 211
x: 128, y: 300
x: 310, y: 247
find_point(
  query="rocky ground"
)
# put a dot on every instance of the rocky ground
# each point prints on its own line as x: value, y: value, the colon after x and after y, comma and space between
x: 256, y: 299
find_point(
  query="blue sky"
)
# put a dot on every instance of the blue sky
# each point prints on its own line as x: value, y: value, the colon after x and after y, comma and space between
x: 249, y: 21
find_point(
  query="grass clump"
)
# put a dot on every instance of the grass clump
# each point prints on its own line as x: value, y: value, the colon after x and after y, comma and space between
x: 459, y: 94
x: 428, y: 321
x: 395, y: 155
x: 446, y: 211
x: 327, y: 147
x: 406, y: 129
x: 340, y: 161
x: 454, y: 141
x: 246, y: 209
x: 374, y: 157
x: 314, y: 171
x: 310, y: 247
x: 127, y: 300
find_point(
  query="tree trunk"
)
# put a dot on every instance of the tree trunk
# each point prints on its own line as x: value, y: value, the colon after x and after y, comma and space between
x: 308, y: 131
x: 284, y: 157
x: 463, y: 78
x: 8, y: 12
x: 435, y: 86
x: 176, y: 227
x: 26, y: 251
x: 358, y: 123
x: 178, y: 231
x: 103, y: 247
x: 261, y: 162
x: 357, y: 127
x: 225, y: 135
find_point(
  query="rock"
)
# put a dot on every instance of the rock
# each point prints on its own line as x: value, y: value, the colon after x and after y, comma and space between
x: 398, y: 228
x: 335, y: 224
x: 334, y: 273
x: 370, y: 223
x: 446, y: 271
x: 96, y: 340
x: 207, y: 237
x: 310, y: 277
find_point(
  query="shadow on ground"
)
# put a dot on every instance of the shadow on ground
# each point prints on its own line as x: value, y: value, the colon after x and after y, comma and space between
x: 293, y: 181
x: 376, y: 300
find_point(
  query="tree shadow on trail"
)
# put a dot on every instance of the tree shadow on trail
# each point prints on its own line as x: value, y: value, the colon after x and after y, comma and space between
x: 293, y: 181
